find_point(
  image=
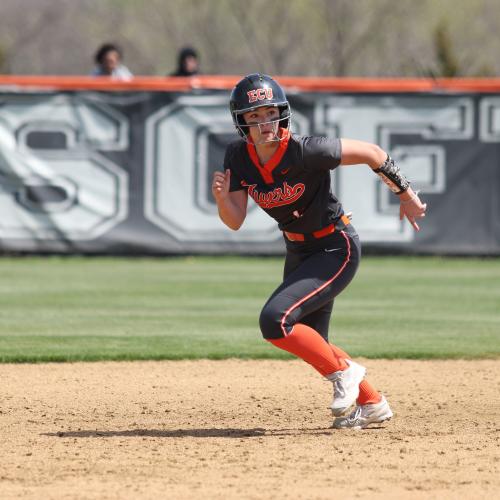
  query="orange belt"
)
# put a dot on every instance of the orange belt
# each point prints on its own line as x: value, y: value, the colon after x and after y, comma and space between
x: 316, y: 234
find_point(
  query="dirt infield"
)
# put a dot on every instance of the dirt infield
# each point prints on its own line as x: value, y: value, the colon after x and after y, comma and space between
x: 244, y: 429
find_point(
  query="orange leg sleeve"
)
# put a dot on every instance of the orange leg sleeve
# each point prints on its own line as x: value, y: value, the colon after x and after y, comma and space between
x: 309, y: 345
x: 337, y: 351
x: 367, y: 394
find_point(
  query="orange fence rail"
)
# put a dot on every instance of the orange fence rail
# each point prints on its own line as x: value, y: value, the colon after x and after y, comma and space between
x: 227, y: 82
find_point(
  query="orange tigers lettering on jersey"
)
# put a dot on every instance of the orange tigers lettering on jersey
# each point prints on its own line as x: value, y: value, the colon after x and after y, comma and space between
x: 277, y: 197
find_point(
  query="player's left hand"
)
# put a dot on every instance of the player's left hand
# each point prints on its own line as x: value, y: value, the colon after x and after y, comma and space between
x: 411, y: 207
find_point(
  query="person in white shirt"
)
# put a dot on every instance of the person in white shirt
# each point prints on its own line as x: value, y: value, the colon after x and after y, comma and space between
x: 108, y: 63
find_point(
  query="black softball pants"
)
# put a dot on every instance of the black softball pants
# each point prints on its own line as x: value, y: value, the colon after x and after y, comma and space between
x: 315, y: 273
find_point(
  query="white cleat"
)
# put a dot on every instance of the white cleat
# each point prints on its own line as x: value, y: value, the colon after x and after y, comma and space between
x: 346, y: 387
x: 364, y: 415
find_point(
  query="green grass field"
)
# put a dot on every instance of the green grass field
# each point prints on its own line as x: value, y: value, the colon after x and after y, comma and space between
x: 67, y: 309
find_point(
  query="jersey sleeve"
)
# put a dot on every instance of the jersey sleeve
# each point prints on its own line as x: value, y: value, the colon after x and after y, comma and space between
x: 322, y: 153
x: 230, y: 162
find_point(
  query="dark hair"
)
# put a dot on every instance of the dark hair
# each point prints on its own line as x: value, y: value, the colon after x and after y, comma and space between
x: 186, y: 52
x: 104, y: 49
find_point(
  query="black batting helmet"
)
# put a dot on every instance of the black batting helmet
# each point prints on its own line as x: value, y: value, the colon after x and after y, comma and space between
x: 255, y: 91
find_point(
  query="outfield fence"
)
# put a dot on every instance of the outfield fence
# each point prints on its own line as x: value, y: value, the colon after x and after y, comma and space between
x: 99, y: 166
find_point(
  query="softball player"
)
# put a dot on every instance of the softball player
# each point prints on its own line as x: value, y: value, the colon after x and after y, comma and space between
x: 288, y: 176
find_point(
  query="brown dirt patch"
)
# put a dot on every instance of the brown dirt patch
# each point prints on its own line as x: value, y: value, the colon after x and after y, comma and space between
x: 244, y: 429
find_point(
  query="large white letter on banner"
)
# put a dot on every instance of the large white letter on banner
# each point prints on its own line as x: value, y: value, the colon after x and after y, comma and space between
x: 53, y: 182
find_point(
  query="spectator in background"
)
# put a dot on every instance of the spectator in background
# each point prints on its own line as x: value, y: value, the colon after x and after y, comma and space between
x: 187, y: 63
x: 108, y: 63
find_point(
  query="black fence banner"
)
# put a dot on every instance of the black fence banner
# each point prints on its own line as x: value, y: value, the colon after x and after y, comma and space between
x: 129, y: 171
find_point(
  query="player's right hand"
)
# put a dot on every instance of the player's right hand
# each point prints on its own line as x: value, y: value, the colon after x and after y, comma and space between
x: 412, y: 208
x: 220, y: 184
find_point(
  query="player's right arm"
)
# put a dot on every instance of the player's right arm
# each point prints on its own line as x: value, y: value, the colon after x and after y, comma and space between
x: 232, y: 205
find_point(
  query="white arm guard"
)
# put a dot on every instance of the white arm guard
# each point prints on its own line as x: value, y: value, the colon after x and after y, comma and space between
x: 389, y: 172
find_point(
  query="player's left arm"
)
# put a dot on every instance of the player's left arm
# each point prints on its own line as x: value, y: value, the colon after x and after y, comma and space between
x: 360, y: 152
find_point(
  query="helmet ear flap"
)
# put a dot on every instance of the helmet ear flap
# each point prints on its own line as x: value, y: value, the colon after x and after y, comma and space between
x: 285, y: 114
x: 241, y: 125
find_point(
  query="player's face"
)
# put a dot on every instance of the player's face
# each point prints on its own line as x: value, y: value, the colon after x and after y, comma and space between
x: 264, y: 124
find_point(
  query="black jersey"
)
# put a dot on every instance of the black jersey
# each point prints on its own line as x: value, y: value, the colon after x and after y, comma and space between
x: 293, y: 187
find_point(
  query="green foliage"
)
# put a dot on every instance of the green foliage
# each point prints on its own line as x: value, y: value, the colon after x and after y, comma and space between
x: 68, y: 309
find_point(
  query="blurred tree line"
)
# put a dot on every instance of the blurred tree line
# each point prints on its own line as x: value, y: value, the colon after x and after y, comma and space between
x: 386, y: 38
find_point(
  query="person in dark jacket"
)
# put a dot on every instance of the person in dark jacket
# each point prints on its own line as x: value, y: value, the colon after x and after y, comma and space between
x: 187, y: 63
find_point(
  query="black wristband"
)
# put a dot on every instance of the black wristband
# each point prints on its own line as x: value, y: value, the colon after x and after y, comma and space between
x: 390, y: 173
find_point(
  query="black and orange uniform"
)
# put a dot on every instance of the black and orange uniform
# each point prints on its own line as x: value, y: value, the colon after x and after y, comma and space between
x: 323, y: 249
